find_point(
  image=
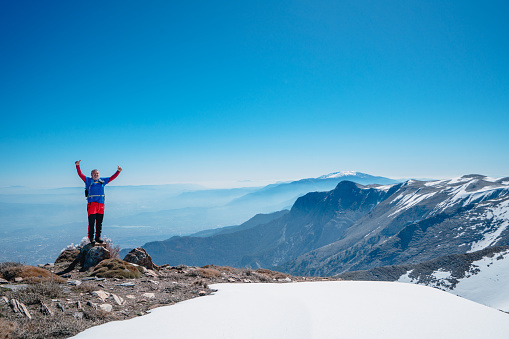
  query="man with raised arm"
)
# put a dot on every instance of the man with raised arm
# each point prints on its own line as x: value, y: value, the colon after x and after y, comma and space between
x: 94, y: 191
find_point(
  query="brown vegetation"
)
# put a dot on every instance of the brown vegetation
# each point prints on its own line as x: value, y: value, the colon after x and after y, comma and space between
x: 29, y: 274
x: 116, y: 268
x: 34, y: 275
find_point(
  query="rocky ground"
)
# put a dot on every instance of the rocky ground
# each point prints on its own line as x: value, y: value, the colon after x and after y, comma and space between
x: 34, y: 304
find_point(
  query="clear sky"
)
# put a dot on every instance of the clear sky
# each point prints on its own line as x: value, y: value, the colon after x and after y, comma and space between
x: 227, y: 91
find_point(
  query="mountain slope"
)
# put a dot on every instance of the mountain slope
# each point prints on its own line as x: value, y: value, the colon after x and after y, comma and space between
x: 481, y: 276
x: 356, y: 227
x: 301, y: 230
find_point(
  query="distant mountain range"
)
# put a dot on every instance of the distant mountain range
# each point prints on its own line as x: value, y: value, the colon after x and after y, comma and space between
x: 359, y: 227
x: 136, y: 214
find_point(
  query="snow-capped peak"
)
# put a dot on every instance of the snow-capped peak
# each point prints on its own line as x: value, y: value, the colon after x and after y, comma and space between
x: 343, y: 174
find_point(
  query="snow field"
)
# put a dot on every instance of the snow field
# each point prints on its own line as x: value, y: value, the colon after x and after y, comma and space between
x: 339, y: 309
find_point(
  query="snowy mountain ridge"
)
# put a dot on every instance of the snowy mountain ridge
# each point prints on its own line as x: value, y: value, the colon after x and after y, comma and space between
x: 415, y: 221
x: 344, y: 174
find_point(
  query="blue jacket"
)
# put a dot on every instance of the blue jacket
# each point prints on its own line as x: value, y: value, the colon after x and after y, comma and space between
x: 96, y: 189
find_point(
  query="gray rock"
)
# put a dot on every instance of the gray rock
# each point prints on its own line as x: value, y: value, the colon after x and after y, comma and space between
x: 101, y: 295
x: 3, y: 281
x: 149, y: 295
x: 91, y: 304
x: 60, y: 307
x: 88, y: 278
x: 45, y: 309
x: 78, y: 315
x: 94, y: 255
x: 126, y: 285
x: 117, y: 299
x: 19, y: 307
x: 140, y: 257
x: 106, y: 307
x: 74, y: 282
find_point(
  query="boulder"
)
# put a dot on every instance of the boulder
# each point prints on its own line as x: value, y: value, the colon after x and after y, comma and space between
x: 92, y: 255
x: 140, y: 257
x: 89, y: 256
x: 67, y: 255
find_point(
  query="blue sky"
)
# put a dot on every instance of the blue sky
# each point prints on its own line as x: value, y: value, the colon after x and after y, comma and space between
x: 228, y: 91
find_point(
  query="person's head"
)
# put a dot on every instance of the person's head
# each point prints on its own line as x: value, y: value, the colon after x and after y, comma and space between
x: 95, y: 174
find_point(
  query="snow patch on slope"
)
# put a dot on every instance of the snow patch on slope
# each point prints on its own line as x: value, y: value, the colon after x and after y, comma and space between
x: 499, y: 216
x: 460, y: 194
x: 485, y: 282
x: 406, y: 201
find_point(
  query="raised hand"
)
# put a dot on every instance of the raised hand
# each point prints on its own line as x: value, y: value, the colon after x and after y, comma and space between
x: 77, y: 163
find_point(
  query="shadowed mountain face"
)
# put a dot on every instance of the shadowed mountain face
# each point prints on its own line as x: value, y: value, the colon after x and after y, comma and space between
x: 419, y: 221
x: 356, y: 227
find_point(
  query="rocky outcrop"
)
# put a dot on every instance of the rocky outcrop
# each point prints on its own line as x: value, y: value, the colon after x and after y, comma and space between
x: 89, y: 256
x: 67, y: 255
x: 93, y: 255
x: 140, y: 257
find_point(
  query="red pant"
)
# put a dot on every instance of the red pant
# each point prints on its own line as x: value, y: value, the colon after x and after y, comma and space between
x: 95, y: 208
x: 95, y: 219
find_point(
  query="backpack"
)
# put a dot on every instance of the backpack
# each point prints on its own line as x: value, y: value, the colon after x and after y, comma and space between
x: 91, y: 182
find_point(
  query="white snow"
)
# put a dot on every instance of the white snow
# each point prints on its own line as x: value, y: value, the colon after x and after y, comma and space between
x: 384, y: 188
x: 340, y: 309
x: 460, y: 194
x: 485, y: 283
x: 406, y: 201
x: 499, y: 216
x: 341, y: 174
x: 489, y: 286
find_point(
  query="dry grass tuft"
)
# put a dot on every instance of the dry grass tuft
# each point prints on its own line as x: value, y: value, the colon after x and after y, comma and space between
x: 208, y: 272
x: 271, y: 274
x: 114, y: 250
x: 227, y: 269
x: 10, y: 270
x: 6, y: 329
x: 116, y: 268
x: 34, y: 275
x: 50, y: 327
x: 37, y: 293
x: 84, y: 288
